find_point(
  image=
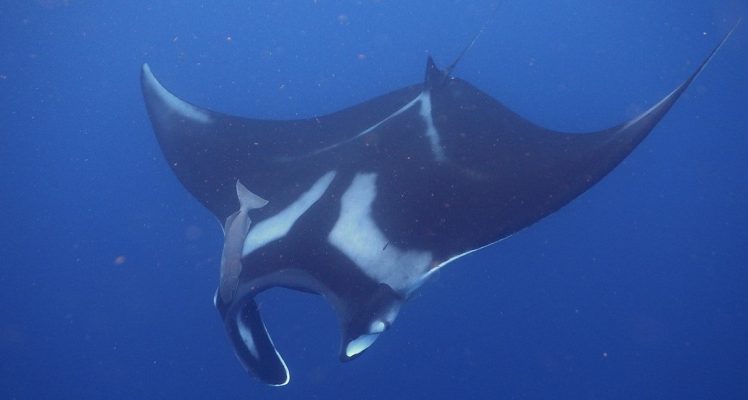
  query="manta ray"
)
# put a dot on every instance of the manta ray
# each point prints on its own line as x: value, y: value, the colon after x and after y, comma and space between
x: 362, y: 205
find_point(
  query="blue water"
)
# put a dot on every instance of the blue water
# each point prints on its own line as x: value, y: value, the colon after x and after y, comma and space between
x: 638, y: 289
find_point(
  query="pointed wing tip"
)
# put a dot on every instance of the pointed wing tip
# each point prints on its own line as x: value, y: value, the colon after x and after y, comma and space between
x: 734, y: 27
x: 146, y: 76
x: 148, y: 81
x: 163, y: 103
x: 656, y: 112
x: 714, y: 52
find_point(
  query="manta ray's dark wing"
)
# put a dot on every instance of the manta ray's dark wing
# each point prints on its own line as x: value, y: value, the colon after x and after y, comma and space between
x: 208, y: 150
x: 365, y: 203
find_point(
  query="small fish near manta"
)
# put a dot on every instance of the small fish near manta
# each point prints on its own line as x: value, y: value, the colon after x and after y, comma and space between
x: 362, y: 205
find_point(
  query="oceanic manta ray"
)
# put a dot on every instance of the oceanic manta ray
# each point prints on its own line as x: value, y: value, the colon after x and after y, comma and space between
x: 365, y: 203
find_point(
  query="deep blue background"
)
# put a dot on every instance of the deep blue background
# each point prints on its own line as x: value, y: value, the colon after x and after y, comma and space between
x: 638, y: 289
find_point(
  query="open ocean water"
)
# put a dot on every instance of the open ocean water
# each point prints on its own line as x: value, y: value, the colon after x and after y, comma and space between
x: 636, y: 290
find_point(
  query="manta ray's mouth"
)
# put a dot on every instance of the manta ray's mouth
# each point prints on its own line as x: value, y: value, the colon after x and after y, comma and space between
x: 257, y: 353
x: 365, y: 203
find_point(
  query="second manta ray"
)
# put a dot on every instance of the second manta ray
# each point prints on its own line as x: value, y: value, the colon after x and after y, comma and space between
x: 365, y: 203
